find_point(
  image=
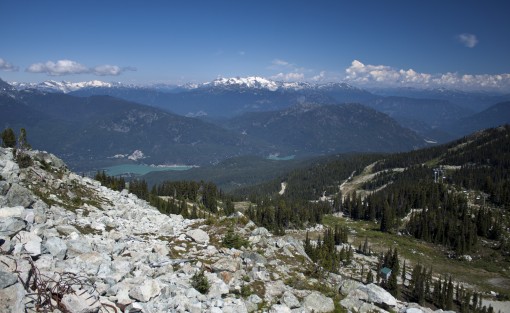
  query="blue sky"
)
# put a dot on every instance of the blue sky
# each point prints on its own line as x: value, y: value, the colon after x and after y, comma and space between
x: 458, y: 44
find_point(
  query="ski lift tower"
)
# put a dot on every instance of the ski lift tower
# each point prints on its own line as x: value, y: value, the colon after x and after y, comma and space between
x: 438, y: 173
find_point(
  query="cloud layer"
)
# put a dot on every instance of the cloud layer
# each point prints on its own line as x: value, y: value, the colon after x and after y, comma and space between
x: 468, y: 40
x: 8, y: 67
x: 69, y: 67
x: 386, y: 76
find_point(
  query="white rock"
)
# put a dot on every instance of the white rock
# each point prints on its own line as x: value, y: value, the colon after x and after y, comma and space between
x: 11, y: 226
x: 33, y: 248
x: 260, y: 231
x: 318, y: 302
x: 74, y: 303
x: 378, y: 295
x: 16, y: 211
x: 414, y: 310
x: 279, y: 308
x: 198, y: 235
x: 290, y: 300
x: 147, y: 290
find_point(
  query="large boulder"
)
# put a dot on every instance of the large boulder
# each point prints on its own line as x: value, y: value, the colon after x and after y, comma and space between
x: 12, y: 299
x: 16, y: 211
x: 80, y: 303
x: 7, y: 279
x: 318, y: 303
x: 253, y: 257
x: 11, y: 226
x: 56, y: 247
x: 226, y: 264
x: 379, y: 296
x: 290, y: 300
x: 147, y: 290
x: 19, y: 196
x: 198, y: 235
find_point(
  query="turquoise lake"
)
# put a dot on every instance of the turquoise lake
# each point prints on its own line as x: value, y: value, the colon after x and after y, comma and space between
x: 278, y: 158
x: 141, y: 169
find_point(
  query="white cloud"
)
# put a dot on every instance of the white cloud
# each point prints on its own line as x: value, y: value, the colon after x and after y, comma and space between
x: 69, y: 67
x: 319, y: 77
x: 386, y: 76
x: 468, y: 40
x: 293, y: 76
x: 59, y: 68
x: 111, y: 70
x: 279, y: 62
x: 8, y: 67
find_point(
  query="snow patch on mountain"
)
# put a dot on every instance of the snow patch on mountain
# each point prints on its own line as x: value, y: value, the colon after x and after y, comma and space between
x: 63, y: 86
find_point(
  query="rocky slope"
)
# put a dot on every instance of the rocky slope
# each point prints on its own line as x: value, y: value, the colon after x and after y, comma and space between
x: 68, y: 244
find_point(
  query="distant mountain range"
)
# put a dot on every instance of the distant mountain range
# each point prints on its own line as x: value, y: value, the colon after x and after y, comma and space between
x: 429, y: 112
x: 101, y: 130
x: 326, y: 129
x: 91, y: 122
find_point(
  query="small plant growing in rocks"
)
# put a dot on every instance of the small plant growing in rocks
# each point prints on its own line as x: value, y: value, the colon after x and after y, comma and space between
x: 200, y: 282
x: 232, y: 240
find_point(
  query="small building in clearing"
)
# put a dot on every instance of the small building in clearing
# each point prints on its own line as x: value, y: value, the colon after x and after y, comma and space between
x: 385, y: 273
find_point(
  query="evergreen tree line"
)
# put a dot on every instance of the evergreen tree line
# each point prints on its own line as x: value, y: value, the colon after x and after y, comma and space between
x: 309, y: 183
x: 279, y: 214
x: 324, y: 251
x: 484, y: 159
x: 176, y: 194
x: 443, y: 293
x: 444, y: 217
x: 111, y: 182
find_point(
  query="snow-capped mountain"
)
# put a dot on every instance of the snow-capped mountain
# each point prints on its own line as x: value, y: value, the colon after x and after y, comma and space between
x: 255, y: 82
x: 251, y: 82
x: 63, y: 86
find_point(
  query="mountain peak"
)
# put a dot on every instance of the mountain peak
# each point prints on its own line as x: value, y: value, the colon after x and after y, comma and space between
x: 63, y: 86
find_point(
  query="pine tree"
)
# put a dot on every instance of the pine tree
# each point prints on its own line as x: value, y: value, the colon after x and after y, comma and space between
x: 403, y: 277
x: 8, y: 138
x: 22, y: 141
x: 370, y: 277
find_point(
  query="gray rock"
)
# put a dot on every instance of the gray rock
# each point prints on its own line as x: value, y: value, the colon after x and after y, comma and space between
x: 250, y: 306
x: 198, y: 235
x: 56, y: 247
x: 33, y: 248
x: 67, y: 229
x: 4, y: 187
x: 77, y: 247
x: 253, y: 257
x: 11, y: 226
x: 226, y: 264
x: 74, y: 303
x: 380, y: 296
x: 40, y: 212
x: 279, y: 308
x: 30, y: 241
x: 318, y: 302
x: 348, y: 285
x: 16, y: 211
x: 232, y: 305
x: 7, y: 279
x: 290, y: 300
x: 29, y: 216
x: 260, y: 231
x: 10, y: 170
x: 147, y: 290
x: 12, y: 299
x: 19, y: 196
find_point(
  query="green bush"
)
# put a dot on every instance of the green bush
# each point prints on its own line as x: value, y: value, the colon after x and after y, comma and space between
x: 23, y: 160
x: 200, y: 282
x: 232, y: 240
